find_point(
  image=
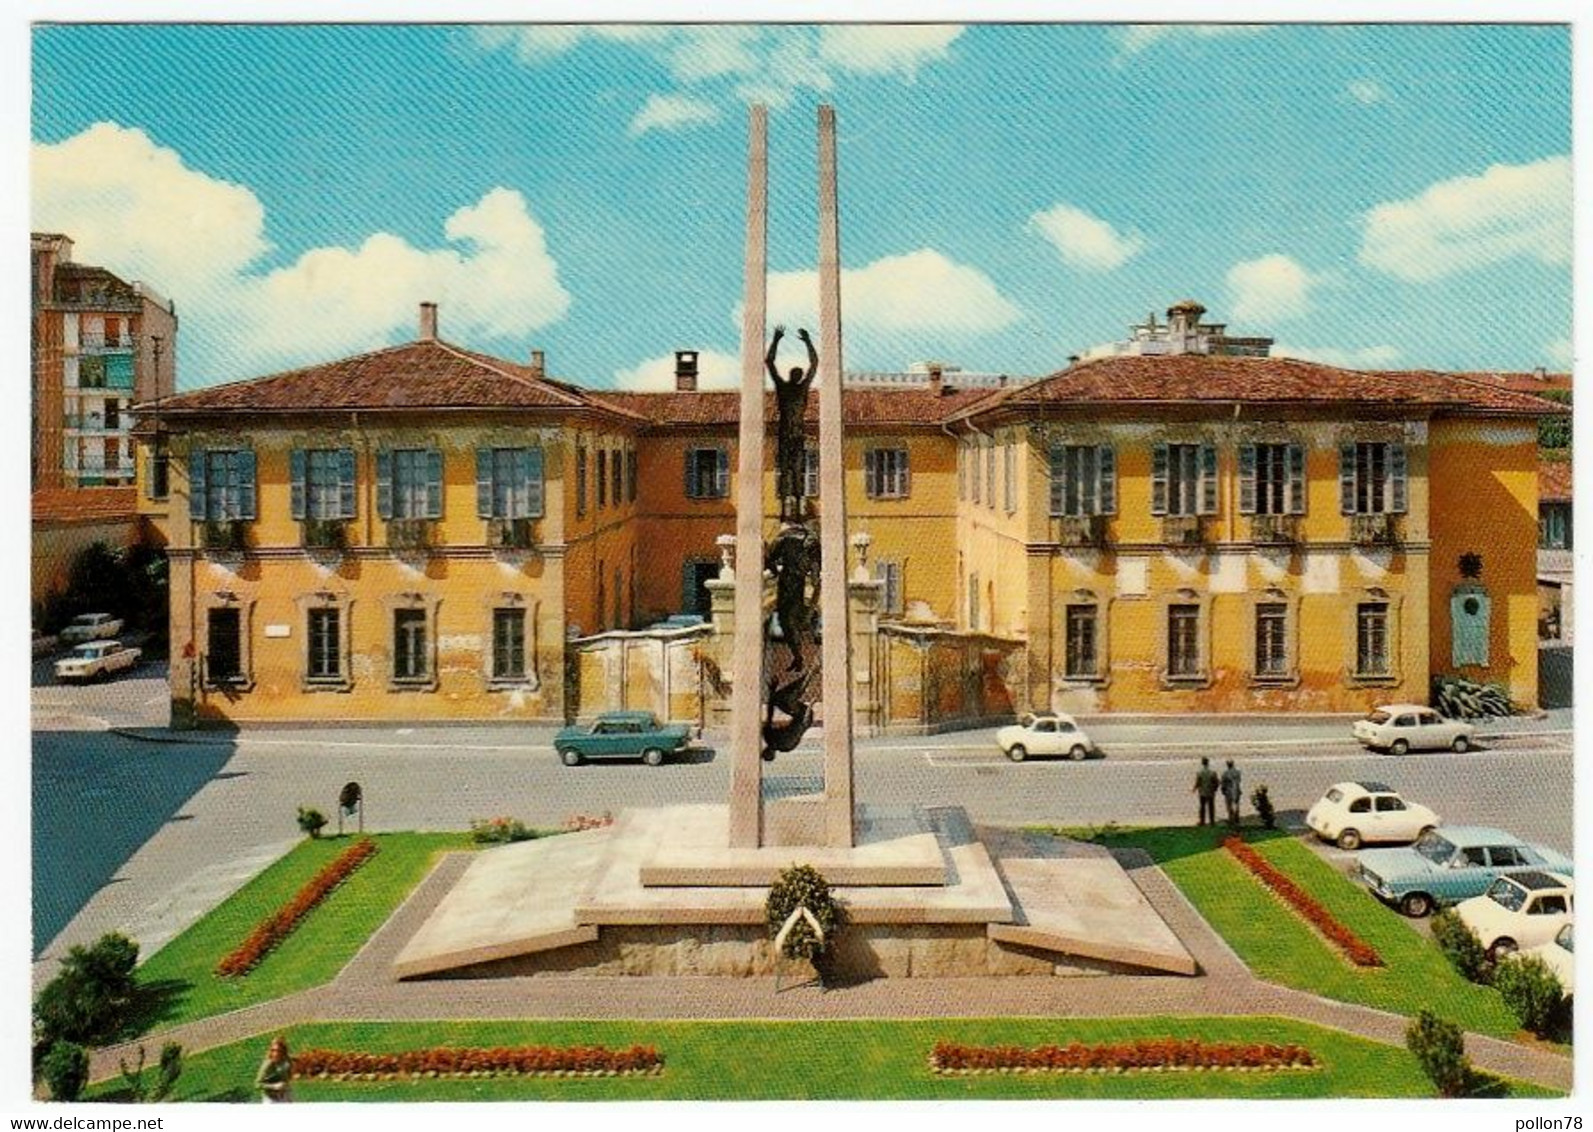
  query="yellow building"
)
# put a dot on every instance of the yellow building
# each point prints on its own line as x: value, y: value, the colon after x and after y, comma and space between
x: 420, y: 533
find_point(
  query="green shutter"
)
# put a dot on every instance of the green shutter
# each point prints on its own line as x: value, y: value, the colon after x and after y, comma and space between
x: 196, y: 484
x: 1106, y: 469
x: 345, y: 483
x: 1398, y: 493
x: 434, y: 483
x: 1208, y: 479
x: 1159, y: 480
x: 1347, y: 478
x: 384, y: 483
x: 296, y: 463
x: 484, y: 482
x: 244, y: 462
x: 532, y: 463
x: 1296, y: 479
x: 722, y: 473
x: 1247, y: 479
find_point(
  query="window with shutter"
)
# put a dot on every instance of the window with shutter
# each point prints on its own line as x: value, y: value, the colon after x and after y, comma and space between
x: 1187, y: 479
x: 722, y: 473
x: 630, y: 475
x: 1183, y: 640
x: 534, y: 484
x: 1247, y: 479
x: 1372, y: 478
x: 1081, y: 659
x: 297, y: 475
x: 602, y: 480
x: 384, y: 484
x: 1106, y: 468
x: 411, y: 482
x: 197, y: 499
x: 616, y: 475
x: 484, y: 491
x: 434, y: 483
x: 580, y: 479
x: 243, y: 483
x: 1159, y: 460
x: 1208, y: 479
x: 1296, y: 479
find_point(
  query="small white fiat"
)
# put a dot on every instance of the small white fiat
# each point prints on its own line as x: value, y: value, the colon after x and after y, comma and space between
x: 1354, y: 812
x: 1523, y: 910
x: 1045, y: 733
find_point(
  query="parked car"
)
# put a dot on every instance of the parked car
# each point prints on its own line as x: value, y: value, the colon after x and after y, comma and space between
x: 1351, y: 813
x: 1559, y: 955
x: 1524, y: 910
x: 90, y: 627
x: 1452, y: 864
x: 1045, y: 733
x: 621, y: 735
x: 94, y: 659
x: 1399, y: 728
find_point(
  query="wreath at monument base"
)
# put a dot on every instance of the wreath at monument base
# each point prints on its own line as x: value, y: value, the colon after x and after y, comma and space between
x: 803, y: 887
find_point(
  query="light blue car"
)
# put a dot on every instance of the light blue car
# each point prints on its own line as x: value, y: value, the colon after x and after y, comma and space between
x: 1451, y: 864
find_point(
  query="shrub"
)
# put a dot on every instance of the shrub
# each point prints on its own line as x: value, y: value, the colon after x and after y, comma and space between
x: 802, y: 886
x: 1355, y: 949
x: 500, y: 831
x: 1440, y: 1050
x: 171, y: 1068
x: 1262, y: 801
x: 88, y: 999
x: 1144, y: 1053
x: 133, y: 1079
x: 65, y: 1070
x: 1461, y: 947
x: 311, y: 821
x: 1459, y: 698
x: 575, y: 823
x: 444, y: 1061
x: 1533, y: 994
x: 280, y: 924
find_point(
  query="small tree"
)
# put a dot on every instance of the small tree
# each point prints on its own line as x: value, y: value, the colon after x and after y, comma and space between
x: 171, y: 1068
x: 1262, y: 801
x: 1461, y: 946
x: 1440, y: 1050
x: 89, y: 996
x: 133, y: 1079
x: 311, y: 820
x: 803, y: 886
x: 65, y: 1070
x: 1533, y: 994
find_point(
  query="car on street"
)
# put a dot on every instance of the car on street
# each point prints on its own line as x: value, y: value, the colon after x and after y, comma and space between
x: 1524, y: 910
x: 1452, y: 864
x: 90, y: 627
x: 1401, y: 728
x: 94, y: 659
x: 1559, y: 955
x: 1045, y: 733
x: 621, y: 735
x: 1353, y: 813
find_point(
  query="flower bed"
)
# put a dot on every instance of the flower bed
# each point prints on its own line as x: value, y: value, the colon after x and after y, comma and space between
x: 446, y: 1061
x: 280, y: 924
x: 575, y: 823
x: 1146, y: 1054
x: 1355, y: 949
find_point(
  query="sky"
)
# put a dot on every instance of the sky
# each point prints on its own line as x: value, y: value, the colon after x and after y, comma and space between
x: 1372, y: 196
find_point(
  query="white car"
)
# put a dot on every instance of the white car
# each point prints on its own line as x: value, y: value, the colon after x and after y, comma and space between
x: 1522, y: 910
x: 1351, y: 813
x: 1559, y: 956
x: 1045, y: 733
x: 90, y: 627
x: 95, y: 658
x: 1398, y: 728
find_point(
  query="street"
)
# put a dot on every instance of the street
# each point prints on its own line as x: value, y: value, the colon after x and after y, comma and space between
x: 143, y: 835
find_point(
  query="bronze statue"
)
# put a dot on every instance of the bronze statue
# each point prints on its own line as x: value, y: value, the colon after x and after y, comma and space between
x: 791, y: 399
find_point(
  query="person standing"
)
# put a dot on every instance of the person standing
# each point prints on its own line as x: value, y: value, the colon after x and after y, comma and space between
x: 275, y: 1079
x: 1206, y: 791
x: 1231, y: 793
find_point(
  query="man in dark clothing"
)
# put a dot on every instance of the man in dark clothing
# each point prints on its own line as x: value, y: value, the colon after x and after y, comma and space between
x: 1206, y: 790
x: 1231, y: 793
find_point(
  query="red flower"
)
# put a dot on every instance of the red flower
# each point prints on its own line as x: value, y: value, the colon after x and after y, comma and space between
x: 276, y: 927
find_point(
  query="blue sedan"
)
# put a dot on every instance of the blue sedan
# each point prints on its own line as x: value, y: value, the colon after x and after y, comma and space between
x: 621, y: 735
x: 1451, y: 864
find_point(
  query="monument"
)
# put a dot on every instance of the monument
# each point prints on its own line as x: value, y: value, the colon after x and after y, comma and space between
x: 681, y: 889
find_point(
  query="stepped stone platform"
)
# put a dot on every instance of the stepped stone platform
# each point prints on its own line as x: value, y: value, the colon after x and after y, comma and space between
x: 927, y: 895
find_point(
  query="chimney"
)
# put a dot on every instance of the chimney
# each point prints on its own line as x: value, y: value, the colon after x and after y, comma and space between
x: 1183, y: 322
x: 428, y: 322
x: 1541, y: 373
x: 937, y: 378
x: 686, y: 371
x: 539, y: 362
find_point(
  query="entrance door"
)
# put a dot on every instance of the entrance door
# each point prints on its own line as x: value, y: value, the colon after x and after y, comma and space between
x: 224, y: 655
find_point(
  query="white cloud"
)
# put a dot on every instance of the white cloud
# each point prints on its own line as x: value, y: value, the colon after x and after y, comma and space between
x: 1364, y: 357
x: 886, y: 50
x: 1559, y: 352
x: 918, y: 291
x: 1507, y: 212
x: 133, y: 206
x: 540, y: 44
x: 715, y: 370
x: 671, y: 112
x: 1133, y: 40
x: 1368, y: 92
x: 1271, y: 287
x: 1086, y: 241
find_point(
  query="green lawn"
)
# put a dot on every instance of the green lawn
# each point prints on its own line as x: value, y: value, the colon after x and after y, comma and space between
x: 1281, y: 947
x: 880, y: 1060
x: 180, y: 981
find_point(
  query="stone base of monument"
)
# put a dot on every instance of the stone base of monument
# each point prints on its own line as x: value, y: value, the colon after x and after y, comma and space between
x: 927, y: 895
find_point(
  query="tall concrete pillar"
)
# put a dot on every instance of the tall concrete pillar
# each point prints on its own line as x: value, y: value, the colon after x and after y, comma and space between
x: 746, y: 716
x: 838, y: 814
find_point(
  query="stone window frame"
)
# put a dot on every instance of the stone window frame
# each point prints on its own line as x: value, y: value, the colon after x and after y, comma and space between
x: 1086, y: 597
x: 1202, y: 678
x: 1394, y: 600
x: 530, y: 606
x: 430, y: 605
x: 344, y: 604
x: 1274, y: 595
x: 228, y: 599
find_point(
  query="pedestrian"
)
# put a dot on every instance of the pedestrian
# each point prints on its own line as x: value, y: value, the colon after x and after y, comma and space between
x: 1231, y: 793
x: 1206, y: 790
x: 275, y: 1079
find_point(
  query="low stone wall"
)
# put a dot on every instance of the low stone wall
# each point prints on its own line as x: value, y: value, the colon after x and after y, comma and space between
x: 865, y: 951
x: 657, y: 670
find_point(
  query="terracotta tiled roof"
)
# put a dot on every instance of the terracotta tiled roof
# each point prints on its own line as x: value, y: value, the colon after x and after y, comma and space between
x: 1521, y: 382
x: 416, y: 375
x: 911, y: 406
x: 85, y: 505
x: 1198, y: 378
x: 1554, y: 481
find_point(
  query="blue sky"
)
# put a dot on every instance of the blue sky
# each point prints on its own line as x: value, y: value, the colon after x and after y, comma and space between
x: 1375, y: 196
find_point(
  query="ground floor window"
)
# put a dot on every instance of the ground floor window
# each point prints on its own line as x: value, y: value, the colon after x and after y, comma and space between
x: 1371, y: 639
x: 1183, y: 640
x: 325, y: 637
x: 409, y: 644
x: 1081, y: 641
x: 224, y: 652
x: 508, y: 644
x: 1272, y: 620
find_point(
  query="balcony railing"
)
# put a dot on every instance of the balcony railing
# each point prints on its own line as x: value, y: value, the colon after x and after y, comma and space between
x: 1082, y: 530
x: 223, y: 534
x: 1184, y: 530
x: 323, y: 534
x: 511, y: 534
x: 1282, y: 529
x: 410, y: 534
x: 1375, y: 530
x: 97, y: 342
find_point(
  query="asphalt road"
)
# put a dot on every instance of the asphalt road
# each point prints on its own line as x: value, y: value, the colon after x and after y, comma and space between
x: 144, y: 836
